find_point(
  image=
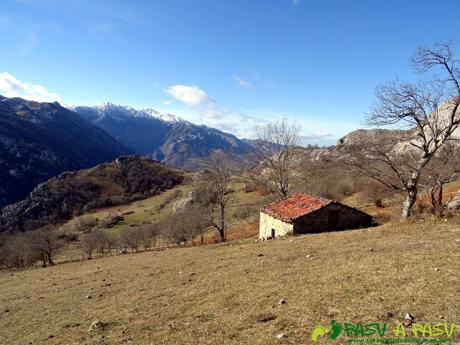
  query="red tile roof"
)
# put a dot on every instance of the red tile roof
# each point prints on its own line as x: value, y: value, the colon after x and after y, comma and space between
x: 295, y: 206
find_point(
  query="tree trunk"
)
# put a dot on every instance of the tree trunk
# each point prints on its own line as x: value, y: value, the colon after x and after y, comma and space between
x: 436, y: 200
x: 222, y: 230
x: 411, y: 197
x: 411, y: 186
x: 440, y: 201
x: 44, y: 260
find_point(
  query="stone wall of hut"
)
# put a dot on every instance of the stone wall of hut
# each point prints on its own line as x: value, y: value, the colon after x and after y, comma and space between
x: 331, y: 218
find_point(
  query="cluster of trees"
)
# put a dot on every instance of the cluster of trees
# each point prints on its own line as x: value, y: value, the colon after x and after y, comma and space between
x: 182, y: 228
x: 26, y: 249
x: 186, y: 226
x: 102, y: 242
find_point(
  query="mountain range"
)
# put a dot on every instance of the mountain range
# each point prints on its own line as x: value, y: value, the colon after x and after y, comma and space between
x: 165, y: 137
x: 41, y: 140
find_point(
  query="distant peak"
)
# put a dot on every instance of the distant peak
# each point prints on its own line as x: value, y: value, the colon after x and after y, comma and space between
x: 119, y: 111
x: 167, y: 117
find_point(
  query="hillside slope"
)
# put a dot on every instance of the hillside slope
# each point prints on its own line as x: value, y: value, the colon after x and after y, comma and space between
x: 41, y: 140
x: 127, y: 179
x: 215, y: 294
x: 164, y: 137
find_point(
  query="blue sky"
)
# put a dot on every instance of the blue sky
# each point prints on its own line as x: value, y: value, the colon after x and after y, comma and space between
x: 230, y: 64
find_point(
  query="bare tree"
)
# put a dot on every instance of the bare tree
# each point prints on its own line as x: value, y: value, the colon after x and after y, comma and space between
x: 46, y: 243
x: 148, y: 235
x: 88, y: 244
x: 170, y: 230
x: 130, y: 237
x: 212, y: 190
x: 99, y: 241
x: 192, y: 222
x: 185, y: 224
x: 429, y: 108
x: 17, y: 251
x: 280, y: 138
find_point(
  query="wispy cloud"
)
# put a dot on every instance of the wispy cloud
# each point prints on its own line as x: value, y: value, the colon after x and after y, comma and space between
x: 10, y: 86
x: 209, y: 112
x: 226, y: 119
x: 246, y: 85
x: 191, y: 96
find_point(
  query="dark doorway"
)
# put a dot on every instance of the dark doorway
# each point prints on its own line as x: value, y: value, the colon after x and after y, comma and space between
x: 273, y: 233
x: 333, y: 219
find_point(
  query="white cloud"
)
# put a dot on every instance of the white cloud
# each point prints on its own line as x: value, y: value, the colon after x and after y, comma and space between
x: 167, y: 102
x: 10, y: 86
x: 229, y: 120
x: 243, y: 83
x: 191, y: 96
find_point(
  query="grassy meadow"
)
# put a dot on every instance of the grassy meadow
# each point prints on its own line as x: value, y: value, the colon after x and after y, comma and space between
x: 218, y: 293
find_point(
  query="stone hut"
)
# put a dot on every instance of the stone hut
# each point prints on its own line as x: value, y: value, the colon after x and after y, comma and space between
x: 303, y: 213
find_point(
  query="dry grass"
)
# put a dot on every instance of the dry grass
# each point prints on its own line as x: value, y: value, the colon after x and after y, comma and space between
x: 149, y: 211
x: 137, y: 212
x: 214, y: 294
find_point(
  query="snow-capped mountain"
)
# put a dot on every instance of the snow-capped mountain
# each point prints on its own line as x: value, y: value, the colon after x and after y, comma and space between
x: 121, y: 112
x: 163, y: 116
x: 164, y: 137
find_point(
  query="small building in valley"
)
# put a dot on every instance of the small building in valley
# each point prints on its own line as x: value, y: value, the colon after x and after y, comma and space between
x: 303, y: 213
